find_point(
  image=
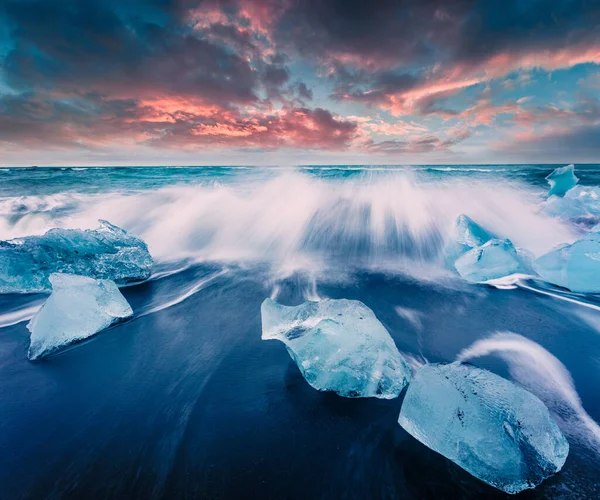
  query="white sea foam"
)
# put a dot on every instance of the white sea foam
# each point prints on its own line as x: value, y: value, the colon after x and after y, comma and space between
x: 194, y: 289
x: 25, y: 313
x: 413, y: 316
x: 299, y: 220
x: 562, y: 295
x: 509, y: 282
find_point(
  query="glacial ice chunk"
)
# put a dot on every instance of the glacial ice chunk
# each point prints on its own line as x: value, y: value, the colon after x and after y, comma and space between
x: 492, y: 428
x: 471, y: 234
x: 339, y: 346
x: 562, y: 180
x: 494, y: 259
x: 579, y: 204
x: 575, y: 266
x: 478, y: 255
x: 104, y: 253
x: 78, y: 308
x: 467, y: 234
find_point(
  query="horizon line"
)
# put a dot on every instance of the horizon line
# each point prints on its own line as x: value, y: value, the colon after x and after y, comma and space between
x: 299, y: 165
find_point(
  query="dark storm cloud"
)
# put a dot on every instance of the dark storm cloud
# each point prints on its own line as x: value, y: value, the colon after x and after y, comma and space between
x: 371, y: 33
x: 416, y: 32
x: 402, y: 43
x: 493, y: 27
x: 72, y: 46
x: 406, y: 55
x: 304, y: 92
x: 275, y: 76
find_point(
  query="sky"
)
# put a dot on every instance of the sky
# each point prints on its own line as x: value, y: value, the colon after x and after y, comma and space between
x: 284, y: 82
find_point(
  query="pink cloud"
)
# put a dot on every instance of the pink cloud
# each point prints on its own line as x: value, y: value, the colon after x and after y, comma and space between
x: 286, y: 127
x: 441, y: 83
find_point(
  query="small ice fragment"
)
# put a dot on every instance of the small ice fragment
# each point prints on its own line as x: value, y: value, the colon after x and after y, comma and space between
x: 104, y: 253
x: 339, y: 346
x: 561, y: 180
x: 575, y: 266
x: 492, y: 428
x: 78, y: 308
x: 494, y: 259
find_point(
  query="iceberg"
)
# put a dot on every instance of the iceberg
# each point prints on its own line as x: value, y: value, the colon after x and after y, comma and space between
x: 575, y: 266
x: 562, y: 180
x: 494, y: 259
x: 104, y: 253
x: 492, y: 428
x: 339, y: 346
x: 467, y: 235
x: 78, y: 308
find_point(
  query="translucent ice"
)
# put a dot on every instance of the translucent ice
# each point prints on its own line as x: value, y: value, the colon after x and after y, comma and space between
x: 467, y: 234
x: 561, y: 180
x: 580, y: 204
x: 471, y: 234
x: 575, y: 266
x: 495, y: 430
x: 339, y: 345
x: 104, y: 253
x: 494, y: 259
x: 78, y: 308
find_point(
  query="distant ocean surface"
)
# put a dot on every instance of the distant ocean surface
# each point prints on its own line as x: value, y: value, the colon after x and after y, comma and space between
x: 186, y: 401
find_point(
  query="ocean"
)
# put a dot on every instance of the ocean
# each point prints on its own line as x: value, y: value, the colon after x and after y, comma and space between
x: 185, y: 400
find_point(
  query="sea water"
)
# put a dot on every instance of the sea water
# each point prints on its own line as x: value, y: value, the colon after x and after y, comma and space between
x: 185, y: 400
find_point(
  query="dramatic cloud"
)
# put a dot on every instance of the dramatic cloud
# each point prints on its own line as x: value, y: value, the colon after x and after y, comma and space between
x: 289, y: 127
x: 393, y: 77
x: 93, y: 122
x: 547, y: 131
x: 70, y: 47
x: 403, y: 56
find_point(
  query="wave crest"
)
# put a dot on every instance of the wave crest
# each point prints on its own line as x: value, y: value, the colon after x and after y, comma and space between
x: 375, y: 218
